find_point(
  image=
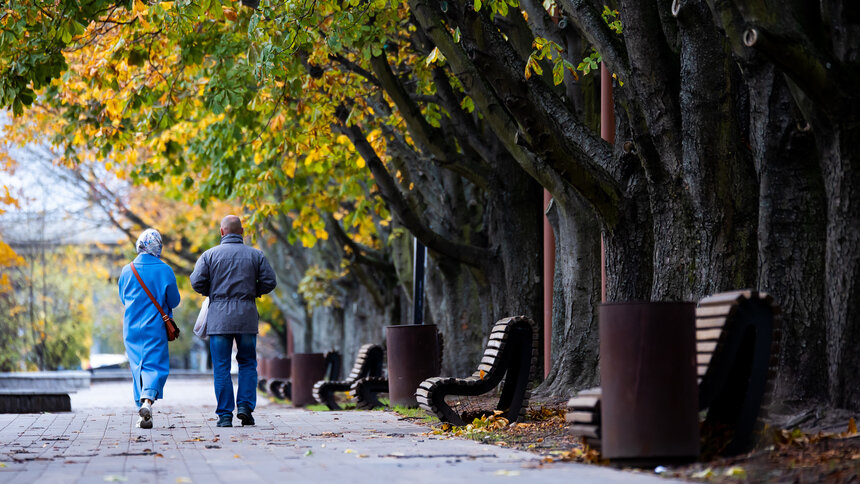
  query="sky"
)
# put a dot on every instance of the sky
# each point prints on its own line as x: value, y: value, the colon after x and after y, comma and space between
x: 53, y: 207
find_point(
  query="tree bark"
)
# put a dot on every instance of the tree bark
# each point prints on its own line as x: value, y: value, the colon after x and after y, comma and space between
x: 576, y: 295
x: 792, y: 230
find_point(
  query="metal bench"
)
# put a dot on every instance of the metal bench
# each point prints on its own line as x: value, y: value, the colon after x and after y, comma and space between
x: 510, y: 355
x: 737, y: 346
x: 277, y: 380
x: 368, y: 363
x: 366, y: 390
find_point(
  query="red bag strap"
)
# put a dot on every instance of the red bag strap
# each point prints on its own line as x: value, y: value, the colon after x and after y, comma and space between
x: 164, y: 316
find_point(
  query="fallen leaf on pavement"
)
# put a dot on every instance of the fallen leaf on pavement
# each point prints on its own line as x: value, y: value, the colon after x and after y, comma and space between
x: 736, y: 471
x: 114, y: 478
x: 703, y: 474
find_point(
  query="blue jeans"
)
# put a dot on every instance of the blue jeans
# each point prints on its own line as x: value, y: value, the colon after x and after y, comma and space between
x: 221, y: 346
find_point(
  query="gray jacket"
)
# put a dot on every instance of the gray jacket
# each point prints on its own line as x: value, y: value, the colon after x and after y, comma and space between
x: 232, y: 275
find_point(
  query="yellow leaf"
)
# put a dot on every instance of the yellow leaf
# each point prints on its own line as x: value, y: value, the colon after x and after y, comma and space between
x: 737, y: 472
x: 482, y: 374
x: 434, y: 56
x: 852, y: 426
x: 360, y: 162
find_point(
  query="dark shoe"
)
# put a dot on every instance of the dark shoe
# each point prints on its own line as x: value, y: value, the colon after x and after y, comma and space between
x: 225, y: 420
x: 245, y: 416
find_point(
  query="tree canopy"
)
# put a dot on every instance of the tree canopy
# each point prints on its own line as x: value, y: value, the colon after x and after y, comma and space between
x: 339, y: 124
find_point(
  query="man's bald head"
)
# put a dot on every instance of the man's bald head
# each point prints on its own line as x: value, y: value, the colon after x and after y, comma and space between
x: 231, y: 225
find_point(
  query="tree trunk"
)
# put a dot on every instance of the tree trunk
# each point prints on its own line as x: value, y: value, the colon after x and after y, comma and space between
x: 792, y: 228
x: 453, y: 301
x: 839, y: 151
x: 576, y: 295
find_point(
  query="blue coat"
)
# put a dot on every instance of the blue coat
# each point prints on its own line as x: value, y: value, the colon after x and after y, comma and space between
x: 143, y: 329
x: 233, y: 275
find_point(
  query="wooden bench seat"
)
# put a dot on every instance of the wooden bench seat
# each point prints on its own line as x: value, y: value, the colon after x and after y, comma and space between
x: 366, y: 391
x: 368, y: 363
x: 737, y: 344
x: 511, y: 354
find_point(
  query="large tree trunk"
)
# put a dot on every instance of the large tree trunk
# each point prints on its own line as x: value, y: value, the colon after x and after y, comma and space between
x: 453, y: 301
x: 839, y: 150
x: 792, y: 228
x: 576, y: 295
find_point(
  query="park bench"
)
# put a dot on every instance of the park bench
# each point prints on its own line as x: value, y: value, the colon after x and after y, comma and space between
x: 510, y: 355
x: 368, y: 363
x: 277, y: 381
x: 281, y: 385
x: 366, y: 390
x: 737, y: 343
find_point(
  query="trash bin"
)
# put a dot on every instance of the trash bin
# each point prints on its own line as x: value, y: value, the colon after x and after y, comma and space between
x: 648, y: 375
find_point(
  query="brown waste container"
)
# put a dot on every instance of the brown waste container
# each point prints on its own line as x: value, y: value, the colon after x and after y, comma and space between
x: 413, y: 356
x: 308, y: 368
x: 649, y: 405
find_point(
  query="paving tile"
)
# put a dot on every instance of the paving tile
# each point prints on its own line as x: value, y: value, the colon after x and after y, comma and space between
x: 98, y: 443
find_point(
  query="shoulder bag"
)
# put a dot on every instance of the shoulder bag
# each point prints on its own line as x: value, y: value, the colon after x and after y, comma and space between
x: 169, y: 324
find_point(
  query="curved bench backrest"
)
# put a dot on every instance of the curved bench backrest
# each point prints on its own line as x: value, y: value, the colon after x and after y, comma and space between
x: 737, y: 344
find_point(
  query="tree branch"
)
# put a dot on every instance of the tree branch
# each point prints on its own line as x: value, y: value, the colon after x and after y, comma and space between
x: 467, y: 254
x: 361, y: 253
x: 590, y: 23
x: 655, y: 81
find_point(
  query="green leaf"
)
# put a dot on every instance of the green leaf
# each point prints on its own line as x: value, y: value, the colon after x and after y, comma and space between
x: 457, y: 35
x: 477, y: 5
x: 468, y: 104
x: 558, y: 73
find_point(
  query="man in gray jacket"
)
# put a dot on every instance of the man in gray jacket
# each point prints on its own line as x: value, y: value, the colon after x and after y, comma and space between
x: 233, y: 275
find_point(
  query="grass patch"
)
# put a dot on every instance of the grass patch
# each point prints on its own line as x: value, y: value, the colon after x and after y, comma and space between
x: 274, y: 399
x: 414, y: 413
x: 317, y: 407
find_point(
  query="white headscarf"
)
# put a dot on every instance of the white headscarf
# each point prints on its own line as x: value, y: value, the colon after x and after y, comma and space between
x: 149, y: 242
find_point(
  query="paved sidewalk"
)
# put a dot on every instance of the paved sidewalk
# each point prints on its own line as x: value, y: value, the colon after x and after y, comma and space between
x: 97, y: 442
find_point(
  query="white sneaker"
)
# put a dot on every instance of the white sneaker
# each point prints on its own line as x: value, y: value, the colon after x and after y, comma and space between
x: 145, y: 411
x: 144, y: 423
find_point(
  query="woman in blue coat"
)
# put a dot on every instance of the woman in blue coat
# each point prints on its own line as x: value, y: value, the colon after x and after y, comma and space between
x: 143, y: 329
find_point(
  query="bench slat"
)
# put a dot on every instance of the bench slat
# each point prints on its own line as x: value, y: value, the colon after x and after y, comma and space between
x: 711, y: 311
x: 730, y: 297
x: 708, y: 334
x: 706, y: 323
x: 706, y: 347
x: 582, y: 417
x: 586, y: 430
x: 583, y: 402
